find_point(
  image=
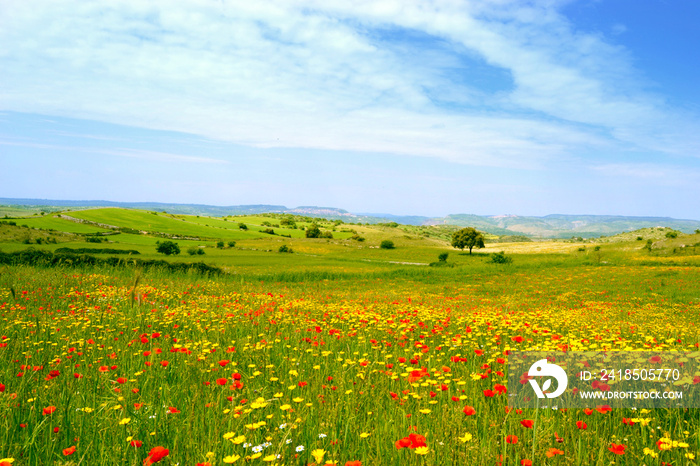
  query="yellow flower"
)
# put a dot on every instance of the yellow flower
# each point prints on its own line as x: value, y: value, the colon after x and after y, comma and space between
x: 285, y: 407
x: 270, y: 458
x: 318, y: 454
x: 7, y: 460
x: 690, y: 456
x: 365, y: 434
x: 422, y: 450
x: 238, y: 440
x: 125, y: 421
x: 297, y: 399
x: 228, y: 435
x: 467, y: 437
x: 231, y: 458
x: 424, y: 411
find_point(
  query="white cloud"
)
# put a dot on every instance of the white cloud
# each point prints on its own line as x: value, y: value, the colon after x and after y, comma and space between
x: 337, y: 75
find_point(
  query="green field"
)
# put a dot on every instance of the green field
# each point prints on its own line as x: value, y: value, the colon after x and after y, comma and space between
x: 340, y: 352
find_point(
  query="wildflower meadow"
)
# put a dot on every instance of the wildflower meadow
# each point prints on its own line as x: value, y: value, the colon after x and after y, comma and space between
x: 120, y: 367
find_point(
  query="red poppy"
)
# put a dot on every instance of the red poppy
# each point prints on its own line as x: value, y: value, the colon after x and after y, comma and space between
x: 588, y: 411
x: 489, y: 393
x: 617, y: 449
x: 603, y: 409
x: 69, y: 451
x: 136, y: 443
x: 173, y: 410
x: 156, y: 454
x: 469, y: 411
x: 512, y: 439
x: 525, y: 462
x: 527, y: 423
x: 353, y: 463
x: 581, y: 425
x: 164, y: 363
x: 122, y: 380
x: 553, y: 452
x: 628, y: 421
x: 48, y: 410
x: 223, y: 362
x: 221, y: 381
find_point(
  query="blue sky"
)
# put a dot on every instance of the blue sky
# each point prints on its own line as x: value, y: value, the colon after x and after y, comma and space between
x: 424, y: 108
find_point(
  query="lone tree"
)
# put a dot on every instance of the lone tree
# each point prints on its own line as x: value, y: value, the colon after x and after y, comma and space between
x: 467, y: 238
x: 167, y: 247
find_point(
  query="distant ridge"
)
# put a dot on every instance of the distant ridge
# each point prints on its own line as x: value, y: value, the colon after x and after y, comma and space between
x: 549, y: 226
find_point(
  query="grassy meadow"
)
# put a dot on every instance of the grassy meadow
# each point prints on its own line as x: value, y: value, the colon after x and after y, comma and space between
x: 338, y: 353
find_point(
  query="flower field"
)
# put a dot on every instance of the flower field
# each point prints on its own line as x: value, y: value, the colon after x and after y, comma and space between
x: 121, y: 369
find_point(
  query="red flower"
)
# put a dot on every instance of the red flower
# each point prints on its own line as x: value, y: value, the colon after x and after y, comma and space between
x: 617, y: 449
x: 48, y: 410
x: 69, y: 451
x: 156, y: 454
x: 628, y: 421
x: 136, y: 443
x: 500, y: 389
x: 588, y: 411
x: 353, y: 463
x: 603, y: 409
x: 223, y: 362
x: 489, y: 393
x: 2, y: 387
x: 553, y: 452
x: 122, y: 380
x: 527, y: 423
x: 469, y: 411
x: 512, y: 439
x: 581, y: 425
x: 164, y: 363
x: 525, y: 462
x: 173, y: 410
x: 221, y: 381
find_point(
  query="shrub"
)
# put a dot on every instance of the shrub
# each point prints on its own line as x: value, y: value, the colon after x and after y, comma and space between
x: 639, y: 238
x: 192, y: 250
x: 500, y: 258
x: 269, y: 231
x: 387, y: 244
x: 327, y: 234
x: 232, y: 244
x: 242, y: 226
x: 357, y: 237
x: 443, y: 257
x: 671, y: 234
x: 313, y: 231
x: 285, y: 248
x: 220, y: 244
x: 167, y: 248
x: 93, y: 239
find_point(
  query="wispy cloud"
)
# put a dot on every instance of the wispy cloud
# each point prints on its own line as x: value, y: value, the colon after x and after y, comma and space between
x: 650, y: 173
x: 499, y: 82
x: 156, y: 156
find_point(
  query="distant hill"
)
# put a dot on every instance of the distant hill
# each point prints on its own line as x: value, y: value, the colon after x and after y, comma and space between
x: 549, y: 226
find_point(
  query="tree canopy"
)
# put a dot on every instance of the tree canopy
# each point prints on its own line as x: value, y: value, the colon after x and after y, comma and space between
x: 467, y: 238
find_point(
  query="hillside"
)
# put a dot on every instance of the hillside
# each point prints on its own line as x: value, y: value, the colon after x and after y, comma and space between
x: 549, y: 226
